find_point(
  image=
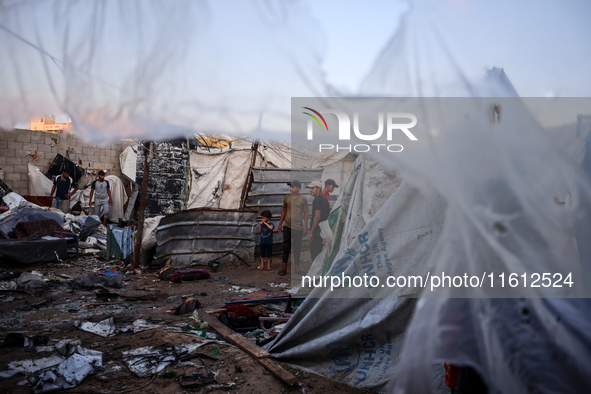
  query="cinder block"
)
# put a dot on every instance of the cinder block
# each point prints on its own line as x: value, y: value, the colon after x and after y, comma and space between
x: 7, y: 168
x: 8, y: 135
x: 3, y: 143
x: 22, y: 167
x: 2, y: 158
x: 44, y: 154
x: 99, y: 154
x: 14, y: 160
x: 37, y: 137
x: 93, y: 159
x: 15, y: 146
x: 23, y: 136
x: 22, y: 186
x: 11, y: 176
x: 29, y: 146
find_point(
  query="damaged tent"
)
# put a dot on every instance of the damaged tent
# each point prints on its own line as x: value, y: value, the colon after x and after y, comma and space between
x: 40, y: 185
x: 466, y: 207
x: 383, y: 227
x: 486, y: 220
x: 228, y: 188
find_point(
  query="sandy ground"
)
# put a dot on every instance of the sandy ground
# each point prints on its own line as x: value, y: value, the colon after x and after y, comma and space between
x: 144, y: 296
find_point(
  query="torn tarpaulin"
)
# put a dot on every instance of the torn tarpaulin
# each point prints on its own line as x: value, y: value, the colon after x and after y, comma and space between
x: 71, y: 372
x: 8, y: 223
x: 138, y: 326
x: 148, y: 360
x: 105, y: 328
x: 56, y: 372
x: 108, y: 328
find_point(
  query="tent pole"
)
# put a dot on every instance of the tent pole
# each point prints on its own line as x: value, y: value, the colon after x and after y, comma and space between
x: 140, y: 223
x: 246, y: 188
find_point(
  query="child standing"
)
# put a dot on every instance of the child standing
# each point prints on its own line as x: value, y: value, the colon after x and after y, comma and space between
x: 266, y: 230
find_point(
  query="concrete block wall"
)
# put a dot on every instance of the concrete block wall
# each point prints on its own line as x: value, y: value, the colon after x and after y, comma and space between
x: 19, y: 147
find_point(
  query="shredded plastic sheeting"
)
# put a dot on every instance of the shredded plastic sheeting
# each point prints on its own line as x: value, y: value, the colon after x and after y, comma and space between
x: 57, y: 372
x: 30, y: 366
x: 71, y: 372
x: 536, y: 173
x: 148, y: 360
x: 15, y: 202
x: 176, y: 67
x: 218, y: 178
x: 39, y: 184
x: 515, y: 344
x: 27, y: 214
x: 353, y: 335
x: 128, y: 163
x: 105, y: 328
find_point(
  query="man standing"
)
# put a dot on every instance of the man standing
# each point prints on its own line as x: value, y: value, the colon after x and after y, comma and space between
x: 61, y: 187
x: 101, y: 191
x: 295, y: 214
x: 329, y: 186
x: 320, y: 212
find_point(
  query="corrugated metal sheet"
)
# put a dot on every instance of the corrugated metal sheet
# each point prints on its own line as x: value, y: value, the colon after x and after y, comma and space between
x: 197, y: 236
x: 269, y: 188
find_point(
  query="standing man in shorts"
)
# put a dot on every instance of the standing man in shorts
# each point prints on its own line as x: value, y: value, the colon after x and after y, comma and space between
x: 101, y: 191
x: 320, y: 212
x: 295, y: 215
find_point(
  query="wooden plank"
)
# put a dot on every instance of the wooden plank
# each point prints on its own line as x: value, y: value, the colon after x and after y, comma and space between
x: 217, y: 311
x: 260, y: 355
x: 233, y: 337
x: 246, y: 345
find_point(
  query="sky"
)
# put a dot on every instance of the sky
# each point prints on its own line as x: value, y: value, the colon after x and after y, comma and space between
x: 138, y: 69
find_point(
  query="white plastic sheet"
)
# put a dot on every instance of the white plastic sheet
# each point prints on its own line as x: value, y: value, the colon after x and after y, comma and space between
x: 442, y: 49
x: 218, y: 178
x: 351, y: 334
x: 39, y: 184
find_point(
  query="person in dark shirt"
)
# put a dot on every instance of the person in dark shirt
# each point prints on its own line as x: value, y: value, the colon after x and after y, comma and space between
x: 266, y: 230
x: 61, y: 186
x: 320, y: 212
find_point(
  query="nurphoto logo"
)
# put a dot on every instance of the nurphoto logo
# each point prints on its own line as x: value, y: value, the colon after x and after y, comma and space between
x: 395, y: 124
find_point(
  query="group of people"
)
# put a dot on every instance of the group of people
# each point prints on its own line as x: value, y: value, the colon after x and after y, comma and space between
x: 64, y: 187
x: 294, y: 224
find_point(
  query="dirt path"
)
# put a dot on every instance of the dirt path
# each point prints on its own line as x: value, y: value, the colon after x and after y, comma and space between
x: 144, y: 296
